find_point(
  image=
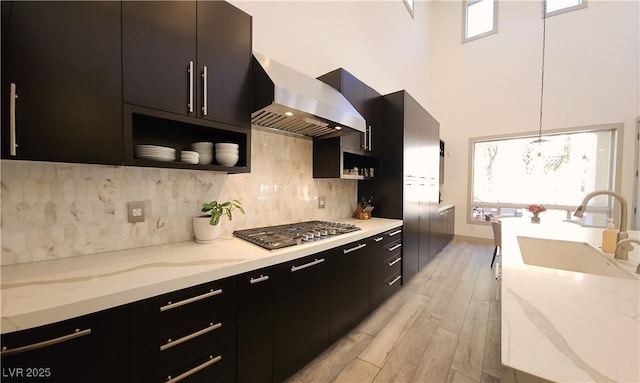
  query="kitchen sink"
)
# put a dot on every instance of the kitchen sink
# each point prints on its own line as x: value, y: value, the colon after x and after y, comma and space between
x: 567, y: 255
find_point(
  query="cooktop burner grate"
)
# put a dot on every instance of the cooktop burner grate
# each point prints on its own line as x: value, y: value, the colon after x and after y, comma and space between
x: 277, y: 237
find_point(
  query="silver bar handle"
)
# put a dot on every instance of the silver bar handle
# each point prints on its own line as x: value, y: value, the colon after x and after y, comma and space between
x: 369, y: 141
x: 378, y: 239
x: 170, y: 343
x: 395, y: 232
x: 194, y: 370
x: 205, y: 109
x: 394, y: 261
x: 360, y: 246
x: 396, y: 279
x: 316, y: 262
x: 395, y: 247
x: 261, y: 278
x: 190, y: 70
x: 171, y: 305
x: 12, y: 119
x: 34, y: 346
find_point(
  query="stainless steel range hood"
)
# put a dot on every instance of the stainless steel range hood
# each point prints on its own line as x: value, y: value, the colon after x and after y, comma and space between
x: 287, y: 100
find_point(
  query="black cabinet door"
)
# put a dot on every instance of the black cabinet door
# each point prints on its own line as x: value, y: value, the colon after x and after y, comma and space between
x: 255, y: 326
x: 64, y: 59
x: 158, y: 50
x: 301, y: 323
x: 225, y: 49
x: 350, y: 273
x: 187, y: 57
x: 376, y: 271
x: 372, y: 113
x: 92, y: 348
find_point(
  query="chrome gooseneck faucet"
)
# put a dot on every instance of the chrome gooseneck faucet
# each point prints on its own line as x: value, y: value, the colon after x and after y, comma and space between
x: 623, y: 252
x: 624, y: 242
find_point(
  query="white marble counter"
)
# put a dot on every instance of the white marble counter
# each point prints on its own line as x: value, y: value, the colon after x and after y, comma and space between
x: 45, y: 292
x: 566, y: 326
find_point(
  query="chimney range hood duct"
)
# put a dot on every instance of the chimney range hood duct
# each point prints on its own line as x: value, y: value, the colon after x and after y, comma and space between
x: 287, y: 100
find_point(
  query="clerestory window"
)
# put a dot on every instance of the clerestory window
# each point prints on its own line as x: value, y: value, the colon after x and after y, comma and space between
x: 479, y: 19
x: 554, y: 7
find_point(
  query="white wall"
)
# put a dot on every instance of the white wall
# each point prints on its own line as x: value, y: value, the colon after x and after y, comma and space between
x: 492, y: 86
x: 486, y: 87
x: 377, y: 41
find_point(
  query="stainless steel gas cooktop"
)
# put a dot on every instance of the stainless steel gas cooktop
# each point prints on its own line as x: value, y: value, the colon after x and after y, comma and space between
x: 277, y: 237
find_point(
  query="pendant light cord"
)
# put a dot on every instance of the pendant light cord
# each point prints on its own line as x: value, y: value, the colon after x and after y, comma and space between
x: 544, y: 41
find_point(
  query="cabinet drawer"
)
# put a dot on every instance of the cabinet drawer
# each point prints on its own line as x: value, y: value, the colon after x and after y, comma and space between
x: 209, y: 345
x: 392, y: 284
x: 168, y: 313
x: 392, y: 265
x: 91, y: 348
x: 392, y: 235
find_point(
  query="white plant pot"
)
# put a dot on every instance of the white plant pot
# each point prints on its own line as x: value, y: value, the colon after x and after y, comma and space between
x: 205, y: 233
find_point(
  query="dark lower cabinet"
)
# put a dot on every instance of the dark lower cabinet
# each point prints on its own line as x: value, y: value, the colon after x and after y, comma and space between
x: 62, y: 80
x: 386, y: 266
x: 349, y: 286
x: 189, y: 334
x: 442, y: 229
x: 301, y: 320
x: 261, y: 326
x: 91, y: 348
x: 255, y: 326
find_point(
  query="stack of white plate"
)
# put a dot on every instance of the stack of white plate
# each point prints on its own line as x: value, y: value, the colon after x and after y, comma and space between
x: 189, y: 157
x: 227, y: 154
x: 205, y: 151
x: 155, y: 153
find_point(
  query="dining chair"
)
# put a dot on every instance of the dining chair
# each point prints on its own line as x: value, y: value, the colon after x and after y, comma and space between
x: 497, y: 239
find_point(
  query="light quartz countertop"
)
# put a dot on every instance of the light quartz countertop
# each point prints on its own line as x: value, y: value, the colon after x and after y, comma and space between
x: 46, y: 292
x: 567, y: 326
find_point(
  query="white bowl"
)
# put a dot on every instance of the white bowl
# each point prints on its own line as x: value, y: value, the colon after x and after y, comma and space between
x: 227, y: 159
x: 227, y: 151
x: 206, y: 159
x: 204, y: 145
x: 226, y: 145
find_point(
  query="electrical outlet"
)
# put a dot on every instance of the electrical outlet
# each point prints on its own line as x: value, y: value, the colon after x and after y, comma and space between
x: 321, y: 202
x: 135, y: 211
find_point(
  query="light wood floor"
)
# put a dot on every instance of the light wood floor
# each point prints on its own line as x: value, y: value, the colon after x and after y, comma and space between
x: 443, y: 326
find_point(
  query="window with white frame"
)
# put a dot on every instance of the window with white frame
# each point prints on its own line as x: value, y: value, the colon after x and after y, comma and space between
x: 479, y: 19
x: 510, y: 173
x: 554, y: 7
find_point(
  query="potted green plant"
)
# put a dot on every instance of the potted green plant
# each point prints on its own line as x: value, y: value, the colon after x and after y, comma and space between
x: 206, y: 226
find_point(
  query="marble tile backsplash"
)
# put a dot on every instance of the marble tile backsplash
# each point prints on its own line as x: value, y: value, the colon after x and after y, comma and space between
x: 56, y: 210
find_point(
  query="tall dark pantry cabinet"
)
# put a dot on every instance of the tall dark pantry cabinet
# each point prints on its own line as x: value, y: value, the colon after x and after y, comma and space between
x: 407, y: 186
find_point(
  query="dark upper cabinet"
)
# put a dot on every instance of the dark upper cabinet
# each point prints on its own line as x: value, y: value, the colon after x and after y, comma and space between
x: 158, y: 50
x: 187, y: 57
x: 64, y: 61
x: 186, y: 78
x: 365, y: 100
x: 333, y: 155
x: 91, y: 348
x: 225, y: 49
